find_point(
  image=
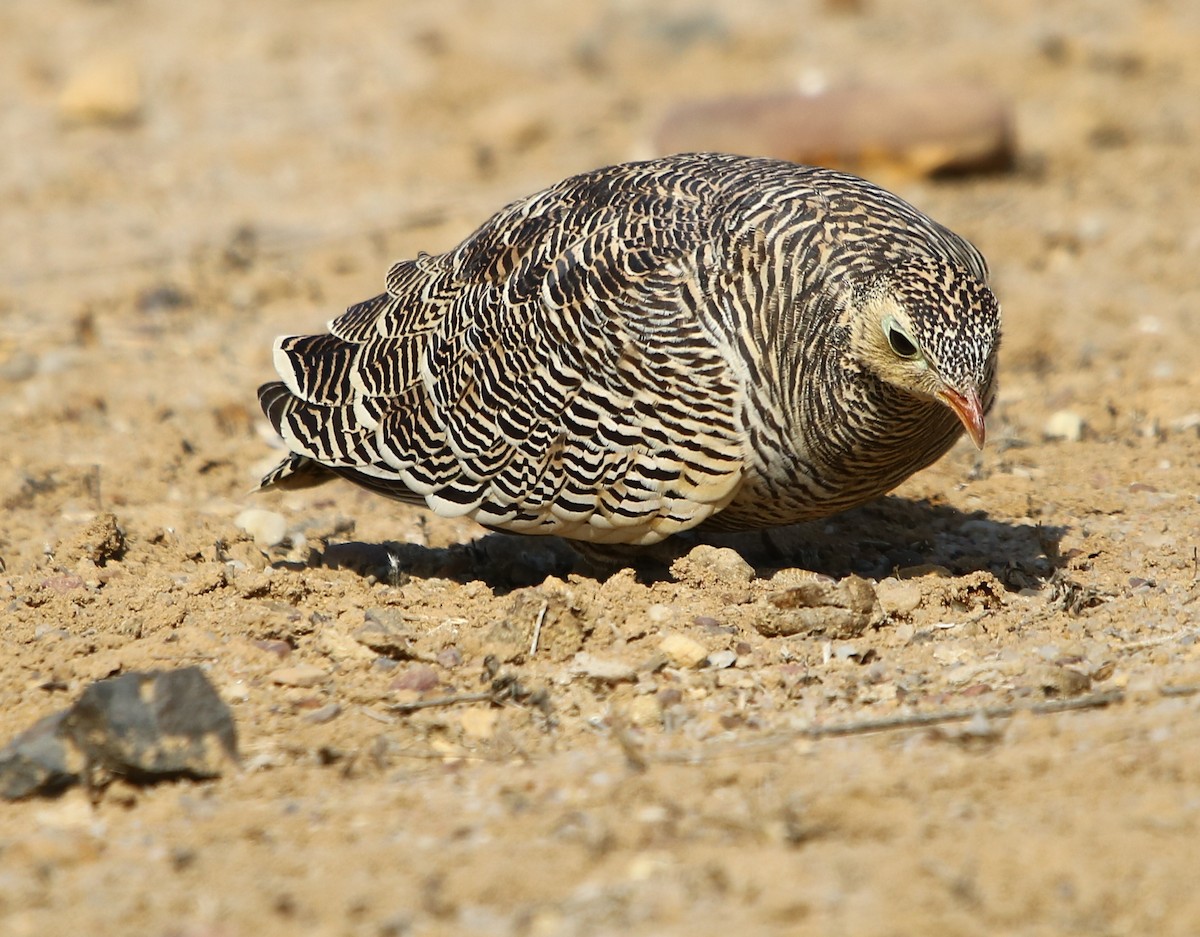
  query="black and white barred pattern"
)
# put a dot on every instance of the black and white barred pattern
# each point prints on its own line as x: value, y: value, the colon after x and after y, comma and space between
x: 642, y: 348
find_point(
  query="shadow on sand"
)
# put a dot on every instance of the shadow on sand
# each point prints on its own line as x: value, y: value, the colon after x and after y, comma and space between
x: 875, y: 541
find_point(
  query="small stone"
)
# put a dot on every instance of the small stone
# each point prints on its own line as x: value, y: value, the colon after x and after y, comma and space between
x: 682, y: 651
x: 670, y: 696
x: 602, y: 669
x: 1103, y: 671
x: 280, y: 649
x: 708, y: 564
x: 449, y: 657
x: 341, y: 647
x: 898, y: 597
x: 720, y: 660
x: 1065, y: 425
x: 326, y: 713
x: 844, y: 651
x: 659, y: 614
x: 821, y: 606
x: 479, y: 723
x: 38, y: 761
x: 644, y: 712
x: 303, y: 675
x: 387, y: 632
x: 419, y: 678
x: 1061, y: 681
x: 268, y: 528
x: 103, y: 90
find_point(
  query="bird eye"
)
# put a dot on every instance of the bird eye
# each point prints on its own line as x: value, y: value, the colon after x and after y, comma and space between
x: 901, y: 344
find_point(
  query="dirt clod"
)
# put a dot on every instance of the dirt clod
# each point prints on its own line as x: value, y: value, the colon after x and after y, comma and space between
x: 842, y: 609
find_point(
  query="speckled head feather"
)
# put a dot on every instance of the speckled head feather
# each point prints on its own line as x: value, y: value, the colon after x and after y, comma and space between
x: 647, y: 347
x: 955, y: 319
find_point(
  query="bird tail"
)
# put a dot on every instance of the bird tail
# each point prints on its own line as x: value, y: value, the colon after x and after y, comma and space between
x: 296, y: 471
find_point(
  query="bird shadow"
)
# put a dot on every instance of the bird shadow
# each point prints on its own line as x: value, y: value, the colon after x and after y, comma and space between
x: 894, y: 534
x: 876, y: 540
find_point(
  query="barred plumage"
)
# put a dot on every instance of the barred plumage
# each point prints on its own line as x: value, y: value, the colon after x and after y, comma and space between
x: 646, y: 347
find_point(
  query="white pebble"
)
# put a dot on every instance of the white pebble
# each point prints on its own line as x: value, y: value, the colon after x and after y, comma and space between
x: 1064, y: 424
x: 102, y: 90
x: 602, y: 668
x: 266, y: 527
x: 682, y: 651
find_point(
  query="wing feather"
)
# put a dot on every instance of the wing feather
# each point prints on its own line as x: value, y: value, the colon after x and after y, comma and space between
x: 549, y: 376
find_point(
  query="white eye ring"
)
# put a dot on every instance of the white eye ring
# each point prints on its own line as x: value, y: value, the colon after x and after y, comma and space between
x: 899, y: 340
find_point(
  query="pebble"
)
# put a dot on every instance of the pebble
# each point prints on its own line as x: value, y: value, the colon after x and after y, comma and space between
x: 388, y: 632
x: 302, y: 675
x: 341, y: 647
x: 479, y: 723
x: 268, y: 528
x: 820, y: 606
x: 1065, y: 425
x: 844, y: 651
x: 659, y: 614
x: 280, y: 649
x: 326, y: 713
x: 420, y: 678
x: 898, y: 596
x: 671, y: 696
x: 1060, y: 681
x: 708, y: 564
x: 103, y: 90
x: 644, y: 712
x: 720, y: 660
x: 603, y: 669
x: 682, y: 651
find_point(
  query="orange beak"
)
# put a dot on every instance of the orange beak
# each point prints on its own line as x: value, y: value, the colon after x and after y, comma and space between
x: 968, y: 408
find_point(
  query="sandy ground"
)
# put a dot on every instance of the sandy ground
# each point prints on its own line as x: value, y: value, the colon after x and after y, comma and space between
x: 692, y: 772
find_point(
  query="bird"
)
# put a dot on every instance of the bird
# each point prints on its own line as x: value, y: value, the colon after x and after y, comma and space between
x: 698, y: 340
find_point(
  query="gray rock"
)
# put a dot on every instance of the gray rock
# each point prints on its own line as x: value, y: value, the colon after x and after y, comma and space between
x: 144, y: 727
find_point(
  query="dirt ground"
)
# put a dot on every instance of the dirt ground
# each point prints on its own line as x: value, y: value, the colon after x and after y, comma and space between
x: 182, y: 182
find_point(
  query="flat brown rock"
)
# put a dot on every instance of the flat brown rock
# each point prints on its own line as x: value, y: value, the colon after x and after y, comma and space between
x: 946, y: 128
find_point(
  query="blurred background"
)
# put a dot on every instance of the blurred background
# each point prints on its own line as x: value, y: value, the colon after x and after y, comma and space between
x: 137, y: 132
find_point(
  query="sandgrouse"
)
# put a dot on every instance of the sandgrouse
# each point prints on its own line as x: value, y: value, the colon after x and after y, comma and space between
x: 699, y: 338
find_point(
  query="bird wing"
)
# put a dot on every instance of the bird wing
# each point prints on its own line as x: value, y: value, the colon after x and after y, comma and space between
x: 550, y: 375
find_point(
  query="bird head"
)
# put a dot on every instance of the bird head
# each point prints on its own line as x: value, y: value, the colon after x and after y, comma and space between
x: 932, y: 331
